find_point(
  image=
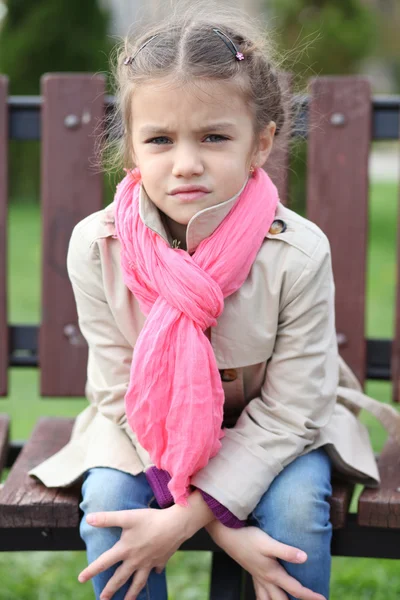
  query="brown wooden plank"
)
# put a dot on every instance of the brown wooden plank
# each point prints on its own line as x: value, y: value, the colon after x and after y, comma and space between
x: 71, y: 190
x: 3, y: 235
x: 4, y: 439
x: 337, y: 197
x: 395, y: 357
x: 342, y: 493
x: 24, y: 500
x: 277, y: 165
x: 380, y: 507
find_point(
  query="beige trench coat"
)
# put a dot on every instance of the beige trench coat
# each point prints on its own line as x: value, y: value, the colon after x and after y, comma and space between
x: 276, y: 338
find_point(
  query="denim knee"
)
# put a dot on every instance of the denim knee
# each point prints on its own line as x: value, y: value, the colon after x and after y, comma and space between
x: 295, y: 510
x: 296, y: 505
x: 106, y: 489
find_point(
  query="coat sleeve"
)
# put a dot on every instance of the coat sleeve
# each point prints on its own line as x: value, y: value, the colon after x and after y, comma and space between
x: 297, y: 396
x: 109, y: 353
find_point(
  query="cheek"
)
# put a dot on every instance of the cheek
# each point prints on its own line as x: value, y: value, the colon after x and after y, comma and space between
x: 150, y: 164
x: 154, y: 177
x: 153, y: 167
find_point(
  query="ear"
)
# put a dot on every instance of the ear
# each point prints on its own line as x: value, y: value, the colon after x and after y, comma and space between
x: 264, y: 144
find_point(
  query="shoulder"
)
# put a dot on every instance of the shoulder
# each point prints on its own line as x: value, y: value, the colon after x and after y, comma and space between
x: 83, y: 251
x: 302, y: 236
x: 297, y: 258
x: 97, y: 225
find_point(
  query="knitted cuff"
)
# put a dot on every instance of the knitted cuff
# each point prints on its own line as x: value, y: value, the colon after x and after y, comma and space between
x: 222, y: 513
x: 158, y: 480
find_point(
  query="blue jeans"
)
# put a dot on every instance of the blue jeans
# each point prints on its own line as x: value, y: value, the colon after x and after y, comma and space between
x: 294, y: 510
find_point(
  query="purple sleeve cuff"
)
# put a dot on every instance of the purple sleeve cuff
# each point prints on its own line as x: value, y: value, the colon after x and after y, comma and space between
x: 222, y: 513
x: 158, y: 480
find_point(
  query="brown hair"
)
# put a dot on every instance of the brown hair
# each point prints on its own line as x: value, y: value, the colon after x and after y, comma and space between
x: 183, y: 46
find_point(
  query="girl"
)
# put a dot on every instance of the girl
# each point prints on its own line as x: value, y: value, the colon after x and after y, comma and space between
x: 226, y: 414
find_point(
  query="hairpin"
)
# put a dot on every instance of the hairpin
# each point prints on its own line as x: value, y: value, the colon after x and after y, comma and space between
x: 228, y: 42
x: 129, y: 59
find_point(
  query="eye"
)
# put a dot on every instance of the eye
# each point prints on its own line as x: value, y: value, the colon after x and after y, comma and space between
x: 159, y: 141
x: 217, y: 138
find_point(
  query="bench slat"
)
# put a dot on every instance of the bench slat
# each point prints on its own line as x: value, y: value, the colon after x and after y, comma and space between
x: 24, y: 500
x: 342, y: 493
x: 3, y: 236
x: 340, y: 118
x: 4, y: 440
x: 380, y: 507
x: 71, y: 190
x: 395, y: 357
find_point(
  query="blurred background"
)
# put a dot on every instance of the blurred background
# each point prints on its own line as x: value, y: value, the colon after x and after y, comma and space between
x: 319, y: 37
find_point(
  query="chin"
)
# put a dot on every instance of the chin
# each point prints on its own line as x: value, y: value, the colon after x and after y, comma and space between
x: 181, y: 220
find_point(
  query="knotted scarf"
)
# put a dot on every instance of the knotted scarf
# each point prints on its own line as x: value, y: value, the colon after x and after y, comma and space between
x: 174, y: 401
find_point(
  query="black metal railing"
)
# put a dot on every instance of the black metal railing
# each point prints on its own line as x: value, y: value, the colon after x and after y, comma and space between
x: 24, y: 116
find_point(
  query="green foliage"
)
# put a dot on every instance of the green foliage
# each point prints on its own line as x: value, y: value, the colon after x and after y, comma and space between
x: 335, y: 36
x: 388, y: 49
x: 41, y: 37
x: 45, y: 36
x: 320, y: 37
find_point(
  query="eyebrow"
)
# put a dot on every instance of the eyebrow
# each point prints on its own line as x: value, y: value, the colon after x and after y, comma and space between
x: 152, y: 129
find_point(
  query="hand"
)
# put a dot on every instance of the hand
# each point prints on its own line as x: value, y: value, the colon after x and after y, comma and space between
x: 268, y: 591
x: 149, y: 538
x: 257, y: 553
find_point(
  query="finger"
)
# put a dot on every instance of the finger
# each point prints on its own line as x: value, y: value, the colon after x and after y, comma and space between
x: 111, y: 518
x: 102, y: 563
x: 120, y: 577
x: 159, y: 569
x: 271, y: 591
x: 289, y: 553
x: 260, y: 590
x: 139, y: 581
x: 276, y: 592
x: 292, y: 586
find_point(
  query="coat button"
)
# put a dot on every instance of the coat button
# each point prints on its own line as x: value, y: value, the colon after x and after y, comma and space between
x: 277, y: 226
x: 228, y: 374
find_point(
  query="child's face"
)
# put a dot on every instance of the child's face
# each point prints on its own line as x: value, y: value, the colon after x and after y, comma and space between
x: 198, y: 136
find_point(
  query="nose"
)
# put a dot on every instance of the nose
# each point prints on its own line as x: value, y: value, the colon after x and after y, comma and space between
x: 187, y: 162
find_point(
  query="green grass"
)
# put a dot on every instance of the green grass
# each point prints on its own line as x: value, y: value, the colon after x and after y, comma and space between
x: 53, y: 576
x: 45, y: 575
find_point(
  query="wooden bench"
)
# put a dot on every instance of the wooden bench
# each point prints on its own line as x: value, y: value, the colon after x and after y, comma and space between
x: 340, y: 118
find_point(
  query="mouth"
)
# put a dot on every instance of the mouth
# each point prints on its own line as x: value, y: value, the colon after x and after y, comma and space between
x: 188, y: 193
x: 190, y: 196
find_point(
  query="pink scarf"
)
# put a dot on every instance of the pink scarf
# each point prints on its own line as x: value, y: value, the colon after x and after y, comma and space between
x: 174, y: 402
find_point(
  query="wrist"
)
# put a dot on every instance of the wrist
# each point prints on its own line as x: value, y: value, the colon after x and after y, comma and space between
x: 223, y: 514
x: 213, y: 526
x: 194, y: 516
x: 216, y: 530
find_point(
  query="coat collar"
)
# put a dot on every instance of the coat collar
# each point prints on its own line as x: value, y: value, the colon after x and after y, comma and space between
x: 200, y: 226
